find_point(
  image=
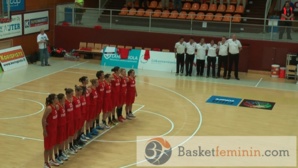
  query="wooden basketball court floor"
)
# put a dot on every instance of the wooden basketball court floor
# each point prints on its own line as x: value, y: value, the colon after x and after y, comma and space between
x: 166, y: 105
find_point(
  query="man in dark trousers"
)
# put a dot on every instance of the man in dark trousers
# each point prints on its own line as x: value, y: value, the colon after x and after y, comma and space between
x: 180, y: 52
x: 287, y: 16
x: 190, y: 55
x: 234, y: 49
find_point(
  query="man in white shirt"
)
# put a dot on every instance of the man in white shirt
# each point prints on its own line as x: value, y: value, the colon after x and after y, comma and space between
x: 200, y: 55
x: 234, y: 49
x: 42, y: 40
x: 190, y: 55
x: 211, y: 58
x: 180, y: 52
x: 223, y: 56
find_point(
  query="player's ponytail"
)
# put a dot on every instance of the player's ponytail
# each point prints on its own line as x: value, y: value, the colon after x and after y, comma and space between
x: 83, y: 79
x: 115, y: 69
x: 50, y: 99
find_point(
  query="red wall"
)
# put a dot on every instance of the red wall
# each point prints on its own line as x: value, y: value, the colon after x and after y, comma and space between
x: 256, y: 54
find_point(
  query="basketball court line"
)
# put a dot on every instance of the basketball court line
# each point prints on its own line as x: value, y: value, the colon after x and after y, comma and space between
x: 150, y: 112
x: 22, y: 83
x: 193, y: 134
x: 28, y: 115
x: 29, y: 91
x: 214, y: 81
x: 259, y: 82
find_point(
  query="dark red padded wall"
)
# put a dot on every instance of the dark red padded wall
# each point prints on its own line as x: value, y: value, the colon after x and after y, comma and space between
x: 256, y: 54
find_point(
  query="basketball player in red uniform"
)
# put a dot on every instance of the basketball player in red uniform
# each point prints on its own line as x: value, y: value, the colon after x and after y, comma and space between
x: 49, y: 125
x: 100, y: 92
x: 77, y: 116
x: 115, y: 83
x: 83, y: 116
x: 122, y: 97
x: 107, y: 100
x: 70, y: 119
x: 131, y: 93
x: 61, y: 135
x: 84, y: 80
x: 93, y: 106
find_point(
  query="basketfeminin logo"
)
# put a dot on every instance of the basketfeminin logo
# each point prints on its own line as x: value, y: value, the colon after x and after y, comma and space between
x: 158, y: 151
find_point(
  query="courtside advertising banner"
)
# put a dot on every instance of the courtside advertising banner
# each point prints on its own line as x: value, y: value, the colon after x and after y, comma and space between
x: 11, y: 58
x: 15, y: 5
x: 11, y: 29
x: 111, y: 57
x: 216, y: 151
x: 34, y: 22
x: 159, y: 61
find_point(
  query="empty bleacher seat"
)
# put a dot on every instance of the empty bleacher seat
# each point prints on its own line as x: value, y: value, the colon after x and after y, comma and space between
x: 236, y: 18
x: 123, y: 11
x: 82, y: 45
x: 132, y: 12
x: 227, y: 17
x: 239, y: 9
x: 212, y: 8
x: 140, y: 12
x: 165, y: 14
x: 195, y: 7
x: 174, y: 14
x: 182, y: 15
x: 217, y: 17
x: 156, y: 13
x: 221, y: 8
x: 128, y: 47
x: 209, y: 17
x: 200, y: 16
x: 97, y: 46
x: 204, y: 7
x: 230, y: 9
x: 191, y: 15
x: 90, y: 45
x: 153, y: 4
x: 186, y: 6
x: 148, y: 13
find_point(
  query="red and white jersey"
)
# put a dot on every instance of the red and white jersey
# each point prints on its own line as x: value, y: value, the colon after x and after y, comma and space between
x: 115, y: 84
x: 77, y: 106
x: 100, y: 89
x: 93, y: 97
x: 123, y: 84
x: 52, y: 119
x: 131, y: 85
x: 87, y: 95
x: 83, y: 104
x: 61, y: 115
x: 69, y: 110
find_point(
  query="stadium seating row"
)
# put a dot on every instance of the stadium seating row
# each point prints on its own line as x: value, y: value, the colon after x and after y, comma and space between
x: 182, y: 15
x: 211, y: 8
x: 98, y: 47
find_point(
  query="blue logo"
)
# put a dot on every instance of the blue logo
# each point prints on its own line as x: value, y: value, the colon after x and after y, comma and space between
x: 15, y: 5
x: 230, y: 101
x: 158, y: 151
x: 114, y: 59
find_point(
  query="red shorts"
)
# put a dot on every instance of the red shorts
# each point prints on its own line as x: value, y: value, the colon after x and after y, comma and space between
x: 130, y: 99
x: 61, y: 134
x: 77, y: 124
x: 70, y: 128
x: 122, y: 99
x: 99, y: 107
x: 87, y: 113
x: 116, y: 100
x: 107, y: 106
x: 50, y: 140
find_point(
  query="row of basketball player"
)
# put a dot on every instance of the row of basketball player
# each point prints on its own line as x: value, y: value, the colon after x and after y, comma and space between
x: 73, y: 118
x: 187, y: 52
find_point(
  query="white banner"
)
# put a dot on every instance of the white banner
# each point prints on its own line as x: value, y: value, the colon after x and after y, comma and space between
x: 159, y: 61
x: 217, y: 151
x: 33, y: 22
x: 11, y: 58
x: 11, y: 29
